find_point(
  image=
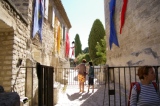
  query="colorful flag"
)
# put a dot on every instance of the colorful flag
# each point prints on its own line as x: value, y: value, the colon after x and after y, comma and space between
x: 67, y: 45
x: 38, y: 18
x: 124, y: 7
x: 113, y: 36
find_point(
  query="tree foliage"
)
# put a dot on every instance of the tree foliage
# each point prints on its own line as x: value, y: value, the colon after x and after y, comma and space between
x: 82, y: 56
x: 86, y: 50
x: 96, y: 34
x: 101, y: 51
x: 78, y: 45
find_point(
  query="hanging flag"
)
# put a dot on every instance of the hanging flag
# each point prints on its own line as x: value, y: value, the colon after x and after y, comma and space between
x: 38, y: 18
x: 113, y: 36
x: 67, y: 45
x: 124, y: 7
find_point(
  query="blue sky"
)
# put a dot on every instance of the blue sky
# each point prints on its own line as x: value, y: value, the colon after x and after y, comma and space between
x: 82, y: 14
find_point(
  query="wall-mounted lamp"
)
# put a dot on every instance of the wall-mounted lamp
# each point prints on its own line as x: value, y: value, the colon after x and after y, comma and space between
x: 19, y: 62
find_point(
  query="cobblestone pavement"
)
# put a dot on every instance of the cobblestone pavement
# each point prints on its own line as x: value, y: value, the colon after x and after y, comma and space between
x: 72, y: 97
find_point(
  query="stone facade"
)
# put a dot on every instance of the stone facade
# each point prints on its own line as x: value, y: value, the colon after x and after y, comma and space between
x: 13, y: 34
x: 19, y: 50
x: 139, y: 42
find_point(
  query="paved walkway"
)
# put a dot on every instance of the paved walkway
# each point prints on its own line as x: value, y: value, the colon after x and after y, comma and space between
x: 72, y: 97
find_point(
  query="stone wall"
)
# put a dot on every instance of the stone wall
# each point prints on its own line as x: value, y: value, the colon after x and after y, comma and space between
x: 14, y: 34
x: 139, y: 42
x: 22, y: 6
x: 44, y: 52
x: 19, y: 50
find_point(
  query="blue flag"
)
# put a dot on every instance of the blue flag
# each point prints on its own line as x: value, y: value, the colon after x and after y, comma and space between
x: 38, y: 18
x: 113, y: 36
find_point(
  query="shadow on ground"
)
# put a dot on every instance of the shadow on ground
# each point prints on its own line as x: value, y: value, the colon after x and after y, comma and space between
x: 89, y: 98
x: 99, y: 98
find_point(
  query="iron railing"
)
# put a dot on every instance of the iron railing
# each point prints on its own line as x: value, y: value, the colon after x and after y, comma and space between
x: 118, y: 84
x: 68, y: 76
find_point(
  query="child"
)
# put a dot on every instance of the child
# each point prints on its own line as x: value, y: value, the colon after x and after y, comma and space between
x: 91, y: 76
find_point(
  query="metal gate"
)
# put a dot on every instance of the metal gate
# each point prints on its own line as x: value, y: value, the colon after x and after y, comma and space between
x: 116, y: 81
x: 118, y: 84
x: 68, y: 76
x: 45, y: 85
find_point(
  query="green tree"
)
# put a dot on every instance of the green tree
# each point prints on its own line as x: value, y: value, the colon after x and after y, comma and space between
x: 78, y: 46
x: 86, y: 50
x: 96, y: 34
x: 82, y: 56
x: 101, y: 51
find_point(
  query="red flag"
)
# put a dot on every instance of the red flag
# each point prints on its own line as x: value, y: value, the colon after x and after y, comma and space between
x: 67, y: 45
x: 123, y: 14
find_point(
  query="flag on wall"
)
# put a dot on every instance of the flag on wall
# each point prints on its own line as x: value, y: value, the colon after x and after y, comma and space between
x: 38, y: 18
x: 124, y: 7
x: 113, y: 36
x: 67, y: 45
x: 59, y: 38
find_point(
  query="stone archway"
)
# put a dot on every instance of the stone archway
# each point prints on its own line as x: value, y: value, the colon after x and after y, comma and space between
x: 6, y: 56
x: 13, y: 34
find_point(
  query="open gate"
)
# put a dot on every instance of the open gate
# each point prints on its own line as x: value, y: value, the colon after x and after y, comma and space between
x: 45, y: 85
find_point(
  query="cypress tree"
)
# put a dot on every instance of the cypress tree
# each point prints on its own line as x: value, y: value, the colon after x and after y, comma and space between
x: 96, y: 34
x: 78, y: 46
x: 101, y: 51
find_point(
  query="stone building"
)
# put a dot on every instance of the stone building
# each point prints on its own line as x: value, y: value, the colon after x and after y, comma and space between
x: 139, y: 41
x: 19, y: 49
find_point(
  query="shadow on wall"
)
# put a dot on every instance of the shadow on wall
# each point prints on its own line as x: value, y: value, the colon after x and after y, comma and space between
x: 152, y: 57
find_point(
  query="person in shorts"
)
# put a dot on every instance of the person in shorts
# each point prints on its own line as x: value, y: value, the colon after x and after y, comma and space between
x: 91, y: 76
x: 81, y: 75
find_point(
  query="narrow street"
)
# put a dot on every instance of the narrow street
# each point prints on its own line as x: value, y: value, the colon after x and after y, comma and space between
x: 72, y: 97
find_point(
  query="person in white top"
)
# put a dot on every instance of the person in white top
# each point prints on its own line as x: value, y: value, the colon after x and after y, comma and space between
x: 149, y: 95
